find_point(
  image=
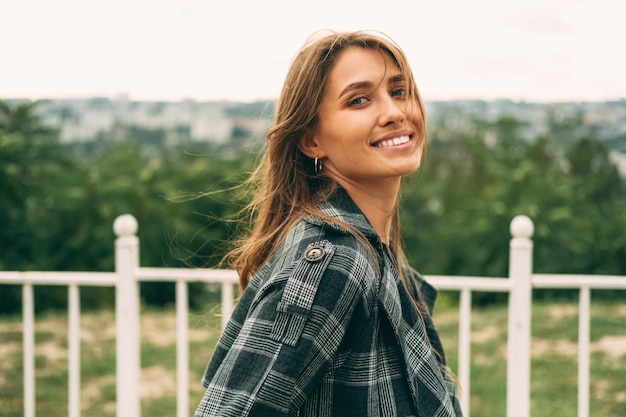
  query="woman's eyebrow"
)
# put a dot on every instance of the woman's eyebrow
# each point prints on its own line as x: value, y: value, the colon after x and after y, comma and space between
x: 367, y: 84
x: 396, y: 79
x: 355, y: 86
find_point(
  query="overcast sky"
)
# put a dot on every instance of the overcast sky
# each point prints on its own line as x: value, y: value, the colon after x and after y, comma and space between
x: 534, y: 50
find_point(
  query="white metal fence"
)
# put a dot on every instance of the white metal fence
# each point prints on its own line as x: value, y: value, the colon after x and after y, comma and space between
x: 128, y: 274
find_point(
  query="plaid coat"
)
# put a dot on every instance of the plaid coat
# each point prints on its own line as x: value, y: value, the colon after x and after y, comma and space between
x: 323, y: 330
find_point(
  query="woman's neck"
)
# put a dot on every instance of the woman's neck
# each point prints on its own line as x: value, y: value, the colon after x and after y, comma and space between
x: 378, y: 204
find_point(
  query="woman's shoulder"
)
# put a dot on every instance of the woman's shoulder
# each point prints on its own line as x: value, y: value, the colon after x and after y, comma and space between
x: 307, y: 231
x: 312, y: 256
x: 351, y: 254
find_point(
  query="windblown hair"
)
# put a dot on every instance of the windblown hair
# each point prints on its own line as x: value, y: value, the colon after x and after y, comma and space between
x: 285, y: 186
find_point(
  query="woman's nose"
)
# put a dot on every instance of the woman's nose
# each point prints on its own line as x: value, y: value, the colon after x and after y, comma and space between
x: 391, y: 111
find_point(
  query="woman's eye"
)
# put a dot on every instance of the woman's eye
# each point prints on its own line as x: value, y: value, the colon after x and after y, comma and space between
x: 357, y: 101
x: 399, y: 92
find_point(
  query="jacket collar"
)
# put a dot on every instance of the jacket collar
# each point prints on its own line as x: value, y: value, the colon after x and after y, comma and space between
x: 340, y: 206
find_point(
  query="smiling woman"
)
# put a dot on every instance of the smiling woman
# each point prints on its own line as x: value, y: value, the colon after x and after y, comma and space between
x: 372, y: 132
x: 332, y: 320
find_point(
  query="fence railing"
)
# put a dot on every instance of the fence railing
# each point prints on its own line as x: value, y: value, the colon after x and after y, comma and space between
x: 128, y: 274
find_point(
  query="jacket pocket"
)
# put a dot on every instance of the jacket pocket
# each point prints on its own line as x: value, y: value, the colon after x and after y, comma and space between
x: 294, y: 308
x: 289, y: 323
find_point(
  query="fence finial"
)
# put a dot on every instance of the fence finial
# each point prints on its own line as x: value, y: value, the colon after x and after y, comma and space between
x: 522, y: 226
x: 125, y: 225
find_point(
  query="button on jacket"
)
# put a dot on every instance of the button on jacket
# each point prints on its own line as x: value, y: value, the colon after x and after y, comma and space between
x: 326, y: 329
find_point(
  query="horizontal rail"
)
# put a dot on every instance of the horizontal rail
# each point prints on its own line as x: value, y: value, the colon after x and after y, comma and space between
x: 229, y: 276
x: 220, y: 276
x: 98, y: 279
x: 469, y: 283
x: 609, y: 282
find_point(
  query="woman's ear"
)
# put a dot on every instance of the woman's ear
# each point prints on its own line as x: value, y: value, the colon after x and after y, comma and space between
x: 309, y: 145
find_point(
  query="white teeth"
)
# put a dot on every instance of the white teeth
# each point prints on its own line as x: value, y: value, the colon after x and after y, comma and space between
x: 393, y: 142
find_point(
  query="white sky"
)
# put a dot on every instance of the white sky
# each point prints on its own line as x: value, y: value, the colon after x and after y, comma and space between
x: 535, y: 50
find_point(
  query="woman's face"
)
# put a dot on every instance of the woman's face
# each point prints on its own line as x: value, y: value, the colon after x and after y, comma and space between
x: 366, y: 132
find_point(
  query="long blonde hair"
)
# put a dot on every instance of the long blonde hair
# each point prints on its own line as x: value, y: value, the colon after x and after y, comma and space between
x: 285, y: 186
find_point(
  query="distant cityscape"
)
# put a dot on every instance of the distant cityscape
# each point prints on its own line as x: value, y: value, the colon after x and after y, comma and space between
x: 81, y: 120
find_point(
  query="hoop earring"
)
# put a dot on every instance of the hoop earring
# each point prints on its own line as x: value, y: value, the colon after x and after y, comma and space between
x: 317, y: 165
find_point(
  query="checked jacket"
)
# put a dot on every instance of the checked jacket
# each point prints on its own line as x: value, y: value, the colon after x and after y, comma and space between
x: 325, y: 329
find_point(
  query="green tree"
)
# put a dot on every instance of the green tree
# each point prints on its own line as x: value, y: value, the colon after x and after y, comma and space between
x: 32, y: 169
x: 478, y: 175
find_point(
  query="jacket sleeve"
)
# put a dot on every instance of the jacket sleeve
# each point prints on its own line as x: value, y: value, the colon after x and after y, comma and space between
x: 291, y: 334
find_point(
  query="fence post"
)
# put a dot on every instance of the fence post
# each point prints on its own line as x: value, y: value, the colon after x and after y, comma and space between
x: 520, y: 299
x: 127, y: 317
x: 28, y: 317
x: 227, y: 303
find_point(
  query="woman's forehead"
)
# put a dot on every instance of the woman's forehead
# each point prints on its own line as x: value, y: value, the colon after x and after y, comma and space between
x: 357, y: 67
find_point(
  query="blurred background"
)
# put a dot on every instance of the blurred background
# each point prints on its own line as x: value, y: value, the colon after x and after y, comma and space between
x: 159, y: 108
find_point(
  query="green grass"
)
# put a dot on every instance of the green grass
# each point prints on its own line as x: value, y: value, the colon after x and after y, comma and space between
x: 554, y: 363
x: 553, y: 373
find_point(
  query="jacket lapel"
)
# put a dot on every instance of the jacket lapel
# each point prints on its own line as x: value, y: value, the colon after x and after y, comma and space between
x: 423, y: 371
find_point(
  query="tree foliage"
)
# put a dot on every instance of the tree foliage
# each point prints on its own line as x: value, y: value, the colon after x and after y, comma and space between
x: 58, y: 202
x: 476, y: 179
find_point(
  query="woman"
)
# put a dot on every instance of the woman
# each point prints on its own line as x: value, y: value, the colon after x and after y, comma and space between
x: 332, y: 320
